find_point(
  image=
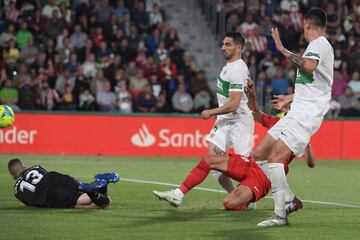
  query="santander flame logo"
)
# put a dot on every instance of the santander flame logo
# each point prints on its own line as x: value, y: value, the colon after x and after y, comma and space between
x: 143, y: 138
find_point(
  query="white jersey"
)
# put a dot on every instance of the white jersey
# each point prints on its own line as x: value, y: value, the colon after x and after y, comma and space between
x: 233, y: 77
x: 313, y: 90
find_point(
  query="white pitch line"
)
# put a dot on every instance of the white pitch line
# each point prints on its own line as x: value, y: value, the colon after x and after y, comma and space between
x: 222, y: 191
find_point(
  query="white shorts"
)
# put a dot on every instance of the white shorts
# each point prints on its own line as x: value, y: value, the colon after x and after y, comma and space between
x: 238, y: 133
x: 295, y: 131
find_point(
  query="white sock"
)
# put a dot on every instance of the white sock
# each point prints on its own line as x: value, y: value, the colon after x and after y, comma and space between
x: 289, y: 195
x: 264, y: 166
x: 278, y: 183
x: 179, y: 193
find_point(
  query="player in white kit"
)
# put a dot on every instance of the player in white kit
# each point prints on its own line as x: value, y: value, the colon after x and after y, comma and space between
x: 310, y: 103
x: 234, y: 125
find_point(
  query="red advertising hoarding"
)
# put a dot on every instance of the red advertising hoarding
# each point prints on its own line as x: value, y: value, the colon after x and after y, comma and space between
x: 146, y: 136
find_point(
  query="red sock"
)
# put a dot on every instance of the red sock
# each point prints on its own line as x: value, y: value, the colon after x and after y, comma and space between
x: 196, y: 176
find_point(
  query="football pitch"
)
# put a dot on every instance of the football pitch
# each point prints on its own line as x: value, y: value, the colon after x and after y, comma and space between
x: 330, y: 191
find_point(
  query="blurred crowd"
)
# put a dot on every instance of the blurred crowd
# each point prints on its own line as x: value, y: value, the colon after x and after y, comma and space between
x: 273, y: 74
x: 96, y: 55
x: 123, y: 56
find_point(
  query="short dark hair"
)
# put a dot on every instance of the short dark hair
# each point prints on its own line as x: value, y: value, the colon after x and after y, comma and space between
x: 316, y: 16
x: 13, y: 165
x: 237, y: 37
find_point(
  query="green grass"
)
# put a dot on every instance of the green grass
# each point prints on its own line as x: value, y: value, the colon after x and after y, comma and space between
x: 136, y: 214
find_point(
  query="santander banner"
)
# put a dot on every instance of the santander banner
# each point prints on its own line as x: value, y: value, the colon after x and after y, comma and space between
x: 146, y: 136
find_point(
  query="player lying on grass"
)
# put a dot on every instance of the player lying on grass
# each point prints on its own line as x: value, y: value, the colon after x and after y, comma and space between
x: 37, y: 187
x: 254, y: 184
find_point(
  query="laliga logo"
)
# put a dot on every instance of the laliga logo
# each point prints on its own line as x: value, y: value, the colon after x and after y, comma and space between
x: 143, y: 138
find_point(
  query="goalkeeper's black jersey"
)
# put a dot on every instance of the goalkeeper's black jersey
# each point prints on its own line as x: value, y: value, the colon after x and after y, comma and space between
x: 30, y: 187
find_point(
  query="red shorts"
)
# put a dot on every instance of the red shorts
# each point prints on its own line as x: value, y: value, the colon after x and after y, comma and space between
x: 249, y: 174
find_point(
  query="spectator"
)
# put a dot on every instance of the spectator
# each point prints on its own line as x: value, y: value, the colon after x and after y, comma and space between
x: 97, y: 83
x: 65, y: 12
x: 170, y: 39
x: 198, y: 83
x: 55, y: 25
x: 11, y: 55
x: 60, y: 39
x: 86, y: 100
x: 258, y: 43
x: 167, y: 70
x: 106, y: 99
x: 182, y: 101
x: 48, y: 10
x: 50, y: 50
x: 202, y: 100
x: 141, y: 17
x: 176, y: 54
x: 354, y: 84
x: 153, y: 41
x: 161, y: 53
x: 8, y: 35
x: 23, y: 36
x: 156, y: 86
x: 27, y: 96
x: 249, y: 26
x: 114, y: 64
x: 121, y: 9
x: 161, y: 103
x: 335, y: 108
x: 78, y: 38
x: 64, y: 80
x: 37, y: 26
x: 279, y: 84
x: 22, y: 76
x: 146, y: 101
x: 124, y: 97
x: 125, y: 52
x: 73, y: 64
x: 232, y: 23
x: 350, y: 105
x: 103, y: 11
x: 155, y: 16
x: 339, y: 85
x: 9, y: 95
x: 49, y: 98
x: 68, y: 99
x: 138, y: 82
x: 29, y: 53
x: 90, y: 66
x: 65, y: 51
x: 11, y: 13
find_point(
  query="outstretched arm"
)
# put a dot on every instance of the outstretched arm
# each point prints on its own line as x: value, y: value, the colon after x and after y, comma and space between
x: 307, y: 65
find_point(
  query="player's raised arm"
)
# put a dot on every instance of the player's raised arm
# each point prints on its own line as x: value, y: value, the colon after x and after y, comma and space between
x: 305, y: 64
